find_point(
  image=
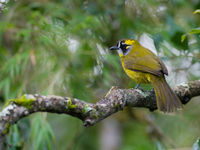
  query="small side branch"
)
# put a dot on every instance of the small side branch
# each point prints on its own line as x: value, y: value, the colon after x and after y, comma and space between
x: 89, y: 113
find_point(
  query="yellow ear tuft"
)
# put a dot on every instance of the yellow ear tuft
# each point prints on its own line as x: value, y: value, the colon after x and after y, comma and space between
x: 129, y: 42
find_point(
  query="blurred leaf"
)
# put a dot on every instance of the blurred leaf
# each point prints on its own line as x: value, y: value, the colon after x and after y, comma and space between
x: 7, y: 88
x: 196, y: 145
x: 14, y: 138
x: 157, y: 41
x: 183, y: 37
x: 42, y: 138
x: 195, y: 31
x: 177, y: 37
x: 196, y: 11
x: 25, y: 34
x: 160, y: 146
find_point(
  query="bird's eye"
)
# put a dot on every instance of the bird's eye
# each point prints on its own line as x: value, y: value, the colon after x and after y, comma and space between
x: 123, y: 46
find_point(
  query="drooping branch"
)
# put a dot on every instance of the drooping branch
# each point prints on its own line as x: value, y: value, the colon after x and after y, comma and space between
x: 89, y: 113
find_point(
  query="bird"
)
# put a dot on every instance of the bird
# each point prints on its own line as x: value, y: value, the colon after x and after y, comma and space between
x: 144, y: 67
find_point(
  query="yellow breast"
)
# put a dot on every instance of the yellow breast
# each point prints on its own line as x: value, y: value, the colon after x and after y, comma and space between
x: 138, y: 77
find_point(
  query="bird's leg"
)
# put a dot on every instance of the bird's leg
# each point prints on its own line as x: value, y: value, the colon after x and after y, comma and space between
x: 137, y: 86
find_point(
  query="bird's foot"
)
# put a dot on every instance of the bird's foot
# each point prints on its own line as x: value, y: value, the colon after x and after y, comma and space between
x: 137, y: 86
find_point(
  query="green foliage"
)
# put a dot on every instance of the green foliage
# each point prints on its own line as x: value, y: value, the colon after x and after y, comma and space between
x: 192, y: 31
x: 44, y: 139
x: 196, y: 11
x: 14, y: 140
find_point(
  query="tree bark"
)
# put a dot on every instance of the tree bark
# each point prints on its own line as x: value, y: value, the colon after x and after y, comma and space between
x: 115, y: 100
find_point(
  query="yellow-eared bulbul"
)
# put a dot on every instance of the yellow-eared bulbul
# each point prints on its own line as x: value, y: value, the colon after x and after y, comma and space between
x: 143, y: 66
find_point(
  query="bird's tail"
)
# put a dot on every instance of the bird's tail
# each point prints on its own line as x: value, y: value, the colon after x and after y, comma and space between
x: 167, y: 100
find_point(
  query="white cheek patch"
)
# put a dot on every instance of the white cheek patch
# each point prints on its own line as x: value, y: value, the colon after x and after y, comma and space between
x: 118, y: 45
x: 120, y: 52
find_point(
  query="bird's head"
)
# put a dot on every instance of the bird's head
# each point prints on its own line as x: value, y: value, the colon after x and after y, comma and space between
x: 123, y: 47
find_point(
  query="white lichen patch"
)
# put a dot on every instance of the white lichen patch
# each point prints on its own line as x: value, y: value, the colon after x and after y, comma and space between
x: 185, y: 85
x: 29, y: 96
x: 44, y: 97
x: 142, y: 93
x: 47, y: 103
x: 103, y: 105
x: 6, y: 111
x: 26, y: 112
x: 86, y: 109
x: 53, y: 97
x: 36, y: 95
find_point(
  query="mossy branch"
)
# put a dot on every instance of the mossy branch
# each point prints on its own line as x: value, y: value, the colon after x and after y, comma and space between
x: 115, y: 100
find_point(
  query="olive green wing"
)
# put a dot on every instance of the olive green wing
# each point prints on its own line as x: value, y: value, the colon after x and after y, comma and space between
x: 148, y: 64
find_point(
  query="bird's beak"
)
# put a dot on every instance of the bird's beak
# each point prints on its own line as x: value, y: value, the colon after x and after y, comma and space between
x: 114, y: 48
